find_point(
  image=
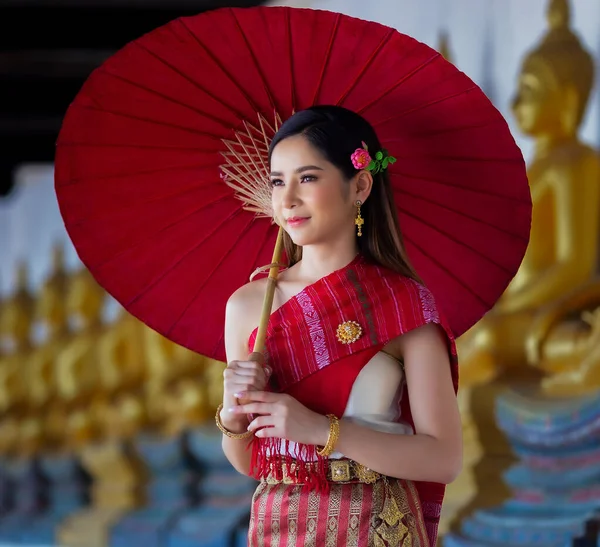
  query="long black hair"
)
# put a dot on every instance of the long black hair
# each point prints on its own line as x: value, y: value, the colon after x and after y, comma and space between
x: 337, y: 132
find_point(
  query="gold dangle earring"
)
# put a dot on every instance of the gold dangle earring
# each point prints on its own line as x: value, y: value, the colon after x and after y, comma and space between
x: 359, y: 221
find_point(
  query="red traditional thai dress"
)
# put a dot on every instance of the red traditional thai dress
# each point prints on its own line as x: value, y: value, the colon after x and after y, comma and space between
x: 306, y: 500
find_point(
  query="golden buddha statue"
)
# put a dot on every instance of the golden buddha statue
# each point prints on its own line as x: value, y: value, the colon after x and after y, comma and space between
x: 122, y: 375
x: 40, y: 428
x: 78, y: 363
x: 553, y: 92
x: 177, y: 394
x: 117, y: 411
x: 15, y: 328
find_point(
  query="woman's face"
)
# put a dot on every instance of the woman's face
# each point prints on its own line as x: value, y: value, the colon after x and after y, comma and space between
x: 311, y: 199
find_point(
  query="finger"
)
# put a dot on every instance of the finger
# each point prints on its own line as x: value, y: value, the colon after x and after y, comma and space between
x: 261, y: 421
x: 252, y: 365
x: 254, y: 384
x: 243, y: 372
x: 266, y: 432
x: 261, y: 396
x: 252, y: 408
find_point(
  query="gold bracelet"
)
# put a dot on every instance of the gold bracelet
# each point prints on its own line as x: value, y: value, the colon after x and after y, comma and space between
x: 334, y: 435
x: 225, y: 431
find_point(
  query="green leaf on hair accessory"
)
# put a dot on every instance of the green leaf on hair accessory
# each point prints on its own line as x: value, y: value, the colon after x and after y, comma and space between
x: 381, y: 162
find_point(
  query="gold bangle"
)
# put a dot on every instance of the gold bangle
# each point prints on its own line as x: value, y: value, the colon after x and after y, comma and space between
x: 225, y: 431
x: 334, y: 435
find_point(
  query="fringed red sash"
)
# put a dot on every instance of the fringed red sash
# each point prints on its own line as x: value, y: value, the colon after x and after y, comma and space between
x: 310, y: 363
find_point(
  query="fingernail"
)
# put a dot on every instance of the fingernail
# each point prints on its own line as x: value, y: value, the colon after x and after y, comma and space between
x: 232, y: 409
x: 238, y: 395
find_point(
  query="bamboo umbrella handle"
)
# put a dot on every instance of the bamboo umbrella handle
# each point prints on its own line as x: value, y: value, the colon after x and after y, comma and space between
x: 259, y: 343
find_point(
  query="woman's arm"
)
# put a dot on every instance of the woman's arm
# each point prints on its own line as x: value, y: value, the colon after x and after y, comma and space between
x: 433, y: 454
x: 237, y: 451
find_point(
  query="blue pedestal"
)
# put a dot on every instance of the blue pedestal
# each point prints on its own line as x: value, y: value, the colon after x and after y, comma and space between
x: 169, y: 492
x: 67, y: 493
x: 30, y: 498
x: 221, y: 517
x: 556, y: 484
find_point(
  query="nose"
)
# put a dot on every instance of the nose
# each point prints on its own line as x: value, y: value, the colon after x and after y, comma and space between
x: 290, y: 197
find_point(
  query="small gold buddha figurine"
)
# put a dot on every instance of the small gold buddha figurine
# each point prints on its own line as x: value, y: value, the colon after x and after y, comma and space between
x: 117, y: 413
x: 51, y: 316
x: 15, y: 328
x: 177, y: 394
x: 122, y: 375
x: 553, y: 92
x: 78, y: 363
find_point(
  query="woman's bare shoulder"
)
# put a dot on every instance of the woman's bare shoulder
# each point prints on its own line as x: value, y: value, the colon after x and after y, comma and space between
x: 248, y: 298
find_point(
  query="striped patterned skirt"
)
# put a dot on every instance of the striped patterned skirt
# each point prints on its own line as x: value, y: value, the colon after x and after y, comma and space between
x: 381, y: 512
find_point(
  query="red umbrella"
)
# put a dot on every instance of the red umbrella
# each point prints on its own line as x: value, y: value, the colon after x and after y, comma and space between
x: 138, y: 157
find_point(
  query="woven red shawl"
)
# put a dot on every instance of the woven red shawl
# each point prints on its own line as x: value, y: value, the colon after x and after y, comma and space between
x: 310, y: 363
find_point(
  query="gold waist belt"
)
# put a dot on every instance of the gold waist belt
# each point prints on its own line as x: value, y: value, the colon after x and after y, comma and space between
x: 338, y: 471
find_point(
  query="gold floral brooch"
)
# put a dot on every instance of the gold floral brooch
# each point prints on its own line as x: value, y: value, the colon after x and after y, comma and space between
x: 348, y: 332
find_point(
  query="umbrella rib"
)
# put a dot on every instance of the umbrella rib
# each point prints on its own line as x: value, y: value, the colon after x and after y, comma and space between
x: 425, y: 105
x: 222, y: 337
x: 193, y: 82
x: 180, y: 260
x: 127, y: 206
x: 162, y: 230
x: 236, y: 242
x: 326, y: 56
x: 366, y: 65
x: 173, y: 100
x: 290, y: 57
x: 448, y: 272
x: 254, y: 59
x: 78, y: 180
x: 130, y: 145
x: 402, y: 80
x: 458, y: 186
x: 452, y: 238
x: 470, y: 159
x: 404, y: 192
x: 455, y: 129
x: 151, y: 121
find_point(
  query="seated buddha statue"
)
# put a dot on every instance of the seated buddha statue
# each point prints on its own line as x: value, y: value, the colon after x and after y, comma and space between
x: 118, y: 415
x: 553, y: 92
x: 51, y: 317
x: 554, y: 87
x: 78, y: 363
x: 15, y: 328
x: 176, y: 391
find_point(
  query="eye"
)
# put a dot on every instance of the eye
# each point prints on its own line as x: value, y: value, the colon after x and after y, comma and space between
x: 308, y: 178
x: 276, y: 182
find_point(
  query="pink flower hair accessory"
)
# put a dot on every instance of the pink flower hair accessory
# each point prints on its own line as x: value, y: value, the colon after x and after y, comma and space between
x: 361, y: 159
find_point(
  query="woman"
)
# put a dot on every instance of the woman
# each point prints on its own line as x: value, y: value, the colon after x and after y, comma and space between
x: 353, y: 420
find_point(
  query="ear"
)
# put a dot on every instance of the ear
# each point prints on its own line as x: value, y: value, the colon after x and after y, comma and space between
x: 363, y: 184
x: 569, y: 116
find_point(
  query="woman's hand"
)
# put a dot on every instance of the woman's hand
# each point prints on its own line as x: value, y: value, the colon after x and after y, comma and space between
x: 283, y: 417
x: 241, y: 377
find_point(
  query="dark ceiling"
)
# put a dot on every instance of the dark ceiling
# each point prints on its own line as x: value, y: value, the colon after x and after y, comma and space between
x: 47, y: 50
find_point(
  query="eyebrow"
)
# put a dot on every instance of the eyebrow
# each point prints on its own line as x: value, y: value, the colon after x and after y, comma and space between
x: 299, y: 170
